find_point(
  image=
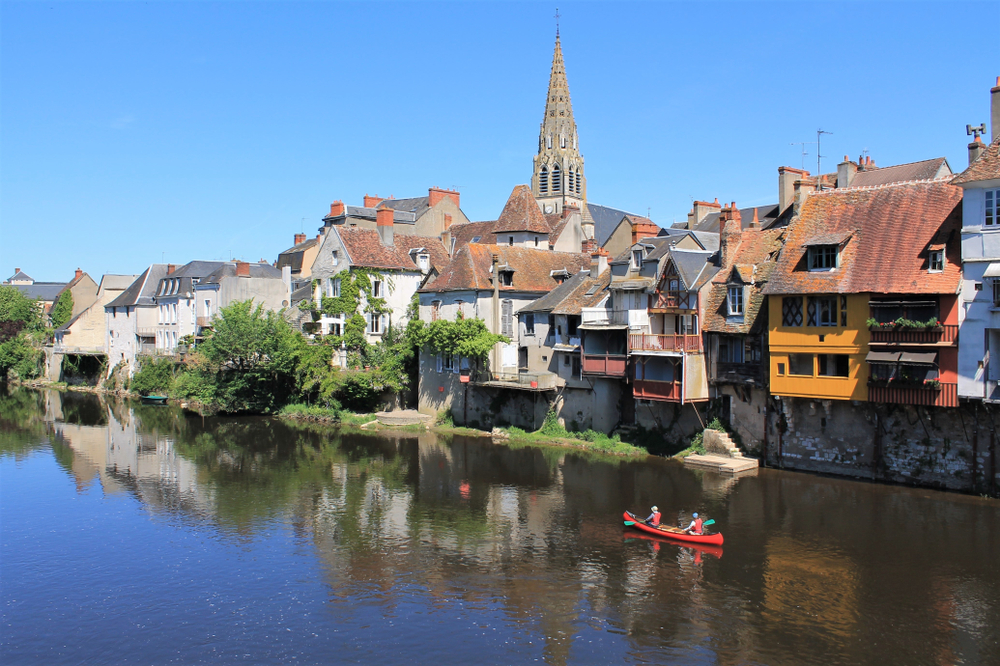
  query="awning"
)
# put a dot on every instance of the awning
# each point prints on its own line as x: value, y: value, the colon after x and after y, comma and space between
x: 882, y: 357
x: 917, y: 358
x: 633, y: 285
x: 992, y: 271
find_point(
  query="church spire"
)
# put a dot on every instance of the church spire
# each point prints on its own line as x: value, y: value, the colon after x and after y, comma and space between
x: 558, y: 174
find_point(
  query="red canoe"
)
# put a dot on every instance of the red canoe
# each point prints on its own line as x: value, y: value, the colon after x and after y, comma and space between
x: 673, y: 532
x: 715, y: 551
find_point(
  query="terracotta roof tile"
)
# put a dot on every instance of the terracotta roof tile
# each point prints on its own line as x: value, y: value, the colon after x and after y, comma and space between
x: 893, y: 227
x: 470, y: 268
x: 521, y: 213
x: 753, y: 264
x: 365, y: 248
x: 987, y: 167
x: 473, y: 232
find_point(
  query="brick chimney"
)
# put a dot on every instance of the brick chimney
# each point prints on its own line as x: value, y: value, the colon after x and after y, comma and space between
x: 995, y: 110
x: 371, y: 202
x: 755, y: 222
x: 588, y: 245
x: 598, y: 262
x: 447, y: 221
x: 79, y: 273
x: 336, y: 208
x: 730, y: 224
x: 435, y: 195
x: 645, y: 229
x: 383, y: 221
x: 846, y: 171
x: 299, y: 238
x: 242, y: 269
x: 786, y: 186
x: 700, y: 210
x: 171, y: 268
x: 976, y: 148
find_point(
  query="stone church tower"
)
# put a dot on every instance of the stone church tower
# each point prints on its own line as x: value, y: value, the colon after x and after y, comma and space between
x: 558, y: 180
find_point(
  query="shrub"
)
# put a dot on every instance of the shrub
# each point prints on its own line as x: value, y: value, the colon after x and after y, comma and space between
x: 155, y: 375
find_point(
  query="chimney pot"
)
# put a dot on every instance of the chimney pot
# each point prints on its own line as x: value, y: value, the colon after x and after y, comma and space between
x: 337, y: 208
x: 78, y: 274
x: 171, y: 268
x: 384, y: 224
x: 995, y: 110
x: 372, y: 202
x: 242, y: 269
x: 299, y: 238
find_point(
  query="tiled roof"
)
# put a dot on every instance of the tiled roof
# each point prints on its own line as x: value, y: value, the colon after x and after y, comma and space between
x: 116, y: 282
x: 365, y: 248
x: 417, y: 205
x: 20, y: 276
x: 606, y: 220
x: 470, y: 268
x: 521, y: 213
x: 707, y: 240
x: 266, y: 271
x: 398, y: 217
x: 46, y: 291
x: 576, y: 293
x: 301, y: 247
x: 765, y: 216
x: 753, y: 265
x: 694, y: 267
x: 901, y: 173
x: 892, y: 226
x: 465, y: 233
x: 141, y: 291
x: 987, y: 167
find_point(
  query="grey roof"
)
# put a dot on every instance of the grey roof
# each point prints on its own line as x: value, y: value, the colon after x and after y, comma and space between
x: 195, y: 270
x: 923, y: 170
x: 20, y: 276
x: 266, y: 271
x: 694, y: 267
x: 606, y: 220
x: 304, y: 245
x: 708, y: 240
x: 417, y: 205
x: 141, y: 291
x: 111, y: 282
x: 765, y: 216
x: 551, y: 300
x: 46, y: 291
x: 398, y: 216
x: 302, y: 293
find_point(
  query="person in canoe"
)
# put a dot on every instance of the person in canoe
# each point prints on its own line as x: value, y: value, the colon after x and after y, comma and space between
x: 654, y: 518
x: 696, y: 526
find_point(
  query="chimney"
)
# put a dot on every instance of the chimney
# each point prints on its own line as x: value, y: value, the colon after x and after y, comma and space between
x: 79, y: 273
x: 588, y: 246
x: 995, y: 110
x: 286, y: 279
x: 976, y: 148
x: 371, y: 202
x: 786, y: 186
x: 16, y: 271
x: 730, y: 225
x: 598, y: 262
x: 700, y: 210
x: 171, y: 268
x: 336, y: 209
x: 242, y: 269
x: 447, y: 221
x: 645, y: 229
x: 435, y: 195
x: 299, y: 238
x: 846, y: 171
x: 383, y: 222
x: 755, y: 222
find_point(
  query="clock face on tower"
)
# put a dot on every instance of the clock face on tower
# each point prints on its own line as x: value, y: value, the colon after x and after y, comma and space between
x: 548, y: 210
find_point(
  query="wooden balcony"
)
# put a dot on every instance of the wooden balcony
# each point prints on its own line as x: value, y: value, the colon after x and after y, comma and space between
x: 519, y: 379
x: 669, y: 342
x: 673, y: 301
x: 204, y: 321
x: 608, y: 365
x: 739, y: 373
x: 648, y: 389
x: 946, y: 395
x: 943, y: 335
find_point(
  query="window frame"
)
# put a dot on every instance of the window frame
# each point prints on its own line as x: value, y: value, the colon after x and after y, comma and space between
x: 529, y: 323
x: 996, y: 293
x: 818, y: 256
x: 734, y: 300
x: 991, y: 208
x: 935, y: 261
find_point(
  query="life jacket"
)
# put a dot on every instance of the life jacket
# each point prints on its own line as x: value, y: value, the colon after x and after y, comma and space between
x: 697, y: 526
x: 656, y: 517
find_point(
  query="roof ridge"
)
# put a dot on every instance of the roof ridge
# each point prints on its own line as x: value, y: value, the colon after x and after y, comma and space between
x: 882, y: 186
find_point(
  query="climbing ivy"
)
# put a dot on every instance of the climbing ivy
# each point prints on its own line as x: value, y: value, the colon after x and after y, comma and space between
x: 353, y: 283
x: 468, y: 338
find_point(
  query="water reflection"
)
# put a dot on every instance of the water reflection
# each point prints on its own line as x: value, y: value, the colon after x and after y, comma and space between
x: 528, y: 543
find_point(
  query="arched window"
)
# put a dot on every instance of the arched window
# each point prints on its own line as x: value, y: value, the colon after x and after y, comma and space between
x: 569, y: 178
x: 543, y: 181
x: 579, y: 177
x: 556, y: 179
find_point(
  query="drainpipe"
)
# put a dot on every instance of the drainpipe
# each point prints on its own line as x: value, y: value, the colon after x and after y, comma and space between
x: 496, y: 313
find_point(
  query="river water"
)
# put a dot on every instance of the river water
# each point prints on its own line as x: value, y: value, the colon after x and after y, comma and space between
x: 143, y: 535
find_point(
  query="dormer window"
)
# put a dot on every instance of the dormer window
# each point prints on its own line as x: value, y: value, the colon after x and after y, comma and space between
x: 992, y: 208
x: 637, y: 259
x: 734, y: 300
x: 822, y: 257
x: 935, y: 262
x: 506, y: 278
x: 510, y: 240
x: 424, y: 261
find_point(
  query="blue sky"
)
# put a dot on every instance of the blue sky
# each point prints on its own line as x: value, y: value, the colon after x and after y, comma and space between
x: 134, y: 133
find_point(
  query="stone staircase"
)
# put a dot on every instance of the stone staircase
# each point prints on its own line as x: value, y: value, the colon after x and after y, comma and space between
x: 720, y: 443
x: 721, y: 455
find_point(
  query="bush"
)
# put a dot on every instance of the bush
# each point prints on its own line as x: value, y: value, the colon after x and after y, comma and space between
x: 154, y: 376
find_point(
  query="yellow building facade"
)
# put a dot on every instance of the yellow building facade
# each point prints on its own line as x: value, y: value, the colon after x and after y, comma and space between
x: 818, y: 344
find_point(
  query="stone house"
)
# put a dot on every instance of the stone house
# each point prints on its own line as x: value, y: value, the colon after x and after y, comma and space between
x: 428, y: 216
x: 300, y: 257
x: 239, y: 281
x: 629, y: 231
x: 131, y: 320
x: 82, y: 287
x: 176, y: 315
x: 978, y: 373
x: 86, y: 333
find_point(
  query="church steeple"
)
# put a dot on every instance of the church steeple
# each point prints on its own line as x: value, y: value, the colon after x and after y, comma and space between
x: 558, y: 177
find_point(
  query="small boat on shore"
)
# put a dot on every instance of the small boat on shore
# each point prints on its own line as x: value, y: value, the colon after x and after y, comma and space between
x: 153, y: 399
x: 672, y: 532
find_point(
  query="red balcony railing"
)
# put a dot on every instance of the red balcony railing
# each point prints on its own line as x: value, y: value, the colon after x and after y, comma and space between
x: 946, y: 395
x: 648, y: 389
x: 668, y: 342
x: 610, y: 365
x: 667, y: 300
x: 947, y: 334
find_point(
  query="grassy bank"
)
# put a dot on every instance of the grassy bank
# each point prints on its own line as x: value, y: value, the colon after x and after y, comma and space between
x: 300, y: 412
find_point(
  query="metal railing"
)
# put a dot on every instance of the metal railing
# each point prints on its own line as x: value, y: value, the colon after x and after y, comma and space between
x: 945, y: 333
x: 943, y: 395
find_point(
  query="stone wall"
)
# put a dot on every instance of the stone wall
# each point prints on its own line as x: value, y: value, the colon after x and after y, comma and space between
x: 936, y: 447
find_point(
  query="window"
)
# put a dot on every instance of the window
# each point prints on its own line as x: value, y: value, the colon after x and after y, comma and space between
x: 208, y: 307
x: 565, y: 359
x: 731, y: 349
x: 572, y: 321
x: 637, y: 258
x: 552, y: 325
x: 510, y: 240
x: 376, y: 289
x: 996, y: 293
x: 800, y: 364
x: 781, y: 369
x: 791, y: 311
x: 735, y: 300
x: 569, y: 177
x: 576, y: 366
x: 333, y: 287
x: 435, y: 310
x: 529, y: 323
x: 440, y: 363
x: 935, y: 262
x: 536, y: 241
x: 822, y: 311
x: 543, y: 181
x: 507, y: 311
x: 375, y: 323
x: 335, y: 257
x: 843, y: 310
x: 822, y: 257
x: 688, y: 324
x: 992, y: 207
x: 886, y: 311
x: 448, y: 363
x: 834, y: 365
x: 459, y: 309
x: 506, y: 278
x: 556, y: 179
x: 423, y: 260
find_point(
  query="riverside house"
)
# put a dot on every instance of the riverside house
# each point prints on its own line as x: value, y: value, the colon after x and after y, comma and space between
x: 131, y: 320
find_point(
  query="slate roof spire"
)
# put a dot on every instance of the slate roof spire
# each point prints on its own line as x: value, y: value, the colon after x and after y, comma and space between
x: 558, y: 178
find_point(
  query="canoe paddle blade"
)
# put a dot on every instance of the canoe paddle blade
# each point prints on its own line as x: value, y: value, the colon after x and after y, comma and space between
x: 708, y: 522
x: 629, y: 522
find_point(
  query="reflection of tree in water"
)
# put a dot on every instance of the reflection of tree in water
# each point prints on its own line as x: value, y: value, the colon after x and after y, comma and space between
x: 83, y: 409
x: 22, y: 423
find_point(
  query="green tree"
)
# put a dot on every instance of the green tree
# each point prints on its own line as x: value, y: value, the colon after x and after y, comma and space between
x: 62, y: 311
x: 22, y: 334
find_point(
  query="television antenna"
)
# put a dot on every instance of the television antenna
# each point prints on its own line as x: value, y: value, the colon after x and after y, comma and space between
x: 804, y: 151
x: 819, y: 155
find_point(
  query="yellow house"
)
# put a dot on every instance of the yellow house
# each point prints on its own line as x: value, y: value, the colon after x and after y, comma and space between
x: 818, y: 344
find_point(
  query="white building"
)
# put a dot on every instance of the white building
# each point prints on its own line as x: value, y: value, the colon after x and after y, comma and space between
x: 131, y: 320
